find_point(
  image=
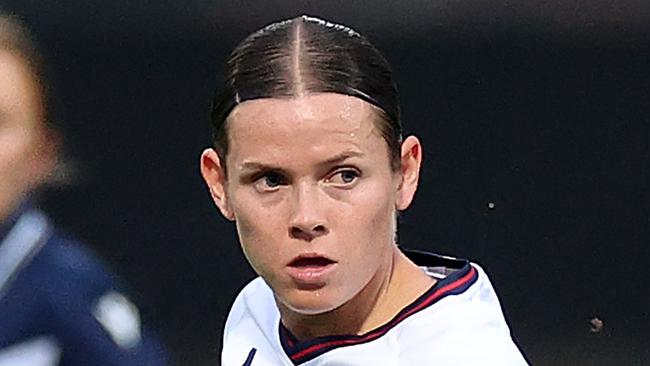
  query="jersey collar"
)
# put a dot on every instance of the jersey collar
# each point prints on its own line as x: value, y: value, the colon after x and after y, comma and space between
x: 21, y: 243
x: 461, y: 276
x: 8, y: 223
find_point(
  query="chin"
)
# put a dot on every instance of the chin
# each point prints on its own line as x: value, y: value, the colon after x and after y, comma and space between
x: 310, y: 303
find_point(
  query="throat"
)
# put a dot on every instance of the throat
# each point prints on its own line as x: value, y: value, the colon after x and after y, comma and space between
x: 375, y: 305
x: 320, y: 325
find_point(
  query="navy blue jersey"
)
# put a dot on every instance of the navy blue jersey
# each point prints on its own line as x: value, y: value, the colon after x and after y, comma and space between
x: 59, y: 305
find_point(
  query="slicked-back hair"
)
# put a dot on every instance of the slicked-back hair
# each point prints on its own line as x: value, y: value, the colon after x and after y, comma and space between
x: 303, y: 56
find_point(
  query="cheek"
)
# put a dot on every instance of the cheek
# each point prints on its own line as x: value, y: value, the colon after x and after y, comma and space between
x: 374, y: 207
x: 15, y: 157
x: 260, y: 232
x: 368, y: 225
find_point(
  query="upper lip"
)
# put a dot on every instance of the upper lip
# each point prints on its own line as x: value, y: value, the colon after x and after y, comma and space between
x: 306, y: 258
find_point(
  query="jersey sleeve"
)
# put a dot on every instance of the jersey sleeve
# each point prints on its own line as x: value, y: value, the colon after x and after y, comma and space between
x: 481, y: 332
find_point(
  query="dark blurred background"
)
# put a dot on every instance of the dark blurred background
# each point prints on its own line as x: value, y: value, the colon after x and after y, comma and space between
x: 534, y: 117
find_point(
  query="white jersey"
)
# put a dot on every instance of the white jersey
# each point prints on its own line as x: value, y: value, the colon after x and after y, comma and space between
x: 458, y: 321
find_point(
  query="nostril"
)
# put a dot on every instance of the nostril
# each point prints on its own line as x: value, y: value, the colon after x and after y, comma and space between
x: 307, y: 234
x: 319, y: 229
x: 301, y: 234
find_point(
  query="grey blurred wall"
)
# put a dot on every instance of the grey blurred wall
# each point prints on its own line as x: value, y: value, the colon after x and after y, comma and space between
x: 540, y: 108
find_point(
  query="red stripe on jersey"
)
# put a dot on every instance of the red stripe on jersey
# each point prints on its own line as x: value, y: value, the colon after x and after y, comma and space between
x: 437, y: 294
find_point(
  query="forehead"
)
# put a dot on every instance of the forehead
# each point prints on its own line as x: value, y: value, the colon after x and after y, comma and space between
x: 306, y: 126
x: 327, y: 108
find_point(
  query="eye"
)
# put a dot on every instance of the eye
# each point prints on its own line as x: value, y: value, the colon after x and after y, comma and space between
x: 269, y: 181
x: 272, y: 179
x: 344, y: 177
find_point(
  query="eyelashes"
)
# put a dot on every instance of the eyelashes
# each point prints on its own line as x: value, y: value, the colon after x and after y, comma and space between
x: 265, y: 181
x: 271, y: 181
x: 344, y: 177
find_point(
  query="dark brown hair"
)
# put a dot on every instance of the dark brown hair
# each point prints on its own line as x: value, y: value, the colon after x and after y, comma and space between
x: 308, y: 55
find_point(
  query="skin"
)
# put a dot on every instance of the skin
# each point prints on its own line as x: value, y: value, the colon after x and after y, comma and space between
x: 311, y: 175
x: 28, y: 150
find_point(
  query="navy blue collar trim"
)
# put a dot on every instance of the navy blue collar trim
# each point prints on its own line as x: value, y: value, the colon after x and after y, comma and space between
x: 456, y: 283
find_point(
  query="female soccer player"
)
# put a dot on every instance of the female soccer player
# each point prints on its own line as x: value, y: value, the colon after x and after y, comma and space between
x: 310, y: 164
x: 59, y: 305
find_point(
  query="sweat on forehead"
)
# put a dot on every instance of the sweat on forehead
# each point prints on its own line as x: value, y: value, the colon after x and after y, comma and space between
x: 329, y: 106
x: 301, y: 116
x: 304, y: 132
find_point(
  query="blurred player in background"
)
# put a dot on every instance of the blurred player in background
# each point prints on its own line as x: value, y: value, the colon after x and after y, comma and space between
x: 59, y: 305
x: 310, y: 164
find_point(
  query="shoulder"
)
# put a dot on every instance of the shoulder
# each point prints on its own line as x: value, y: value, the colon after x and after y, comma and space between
x: 254, y: 291
x: 44, y: 258
x: 66, y: 261
x: 253, y: 306
x: 465, y: 327
x: 74, y: 297
x: 69, y: 253
x: 252, y: 326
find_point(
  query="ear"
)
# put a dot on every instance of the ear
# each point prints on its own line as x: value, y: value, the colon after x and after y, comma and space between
x: 411, y: 159
x: 214, y: 175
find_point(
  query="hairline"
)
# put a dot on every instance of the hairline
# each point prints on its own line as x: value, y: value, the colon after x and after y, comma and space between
x: 379, y: 119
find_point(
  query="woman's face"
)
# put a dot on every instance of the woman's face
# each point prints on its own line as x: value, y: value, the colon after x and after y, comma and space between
x: 310, y: 186
x: 21, y: 133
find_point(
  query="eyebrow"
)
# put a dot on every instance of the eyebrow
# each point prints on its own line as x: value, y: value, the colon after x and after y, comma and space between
x: 336, y: 159
x: 339, y: 158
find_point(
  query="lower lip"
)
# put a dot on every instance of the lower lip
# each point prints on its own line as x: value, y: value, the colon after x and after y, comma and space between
x: 310, y: 275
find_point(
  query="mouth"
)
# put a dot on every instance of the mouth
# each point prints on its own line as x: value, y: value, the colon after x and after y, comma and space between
x: 310, y: 269
x: 310, y: 261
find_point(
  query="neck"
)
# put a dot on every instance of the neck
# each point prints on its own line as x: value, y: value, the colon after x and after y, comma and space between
x: 394, y: 287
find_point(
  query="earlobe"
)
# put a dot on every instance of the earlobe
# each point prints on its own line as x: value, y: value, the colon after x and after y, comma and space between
x: 214, y: 176
x: 411, y: 159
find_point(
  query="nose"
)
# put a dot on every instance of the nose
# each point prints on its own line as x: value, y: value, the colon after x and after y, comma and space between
x: 307, y: 221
